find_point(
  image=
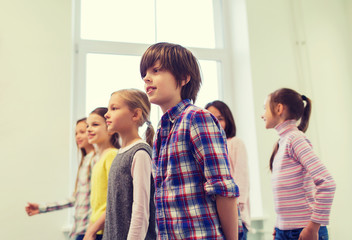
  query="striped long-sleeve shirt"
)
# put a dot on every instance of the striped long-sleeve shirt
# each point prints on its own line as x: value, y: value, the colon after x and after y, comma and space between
x: 302, y: 186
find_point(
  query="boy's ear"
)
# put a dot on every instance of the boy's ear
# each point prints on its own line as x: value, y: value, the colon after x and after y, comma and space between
x: 185, y: 81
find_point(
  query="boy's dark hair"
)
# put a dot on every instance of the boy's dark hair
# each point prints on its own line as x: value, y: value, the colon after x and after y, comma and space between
x: 177, y: 60
x: 230, y: 126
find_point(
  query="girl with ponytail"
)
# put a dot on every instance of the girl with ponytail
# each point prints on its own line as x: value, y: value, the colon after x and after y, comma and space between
x: 303, y: 188
x: 80, y: 198
x: 130, y: 212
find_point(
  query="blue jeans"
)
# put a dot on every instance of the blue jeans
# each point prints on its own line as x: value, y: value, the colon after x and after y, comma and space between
x: 80, y: 237
x: 244, y: 234
x: 294, y: 234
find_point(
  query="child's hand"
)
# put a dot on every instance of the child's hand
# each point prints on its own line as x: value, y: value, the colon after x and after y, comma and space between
x: 310, y: 232
x: 32, y: 209
x: 90, y: 236
x: 274, y: 234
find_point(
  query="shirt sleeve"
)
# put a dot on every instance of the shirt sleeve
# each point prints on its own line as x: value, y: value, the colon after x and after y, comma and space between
x: 210, y: 150
x: 324, y: 183
x: 141, y: 174
x: 239, y: 167
x: 108, y: 161
x: 53, y: 206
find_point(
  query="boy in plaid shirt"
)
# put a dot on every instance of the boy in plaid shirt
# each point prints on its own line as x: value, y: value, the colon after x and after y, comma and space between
x: 195, y: 195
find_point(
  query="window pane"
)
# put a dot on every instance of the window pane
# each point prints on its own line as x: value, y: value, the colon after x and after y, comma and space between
x: 189, y: 23
x: 185, y: 22
x: 118, y: 20
x: 209, y: 90
x: 109, y: 73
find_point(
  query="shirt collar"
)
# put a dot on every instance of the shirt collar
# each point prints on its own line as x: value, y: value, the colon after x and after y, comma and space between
x: 175, y: 111
x: 285, y: 126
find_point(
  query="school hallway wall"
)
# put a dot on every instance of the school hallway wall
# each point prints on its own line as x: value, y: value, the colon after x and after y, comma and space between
x: 35, y: 85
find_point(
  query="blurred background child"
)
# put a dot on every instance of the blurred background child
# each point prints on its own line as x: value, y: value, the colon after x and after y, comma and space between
x: 237, y: 158
x: 80, y: 198
x: 303, y: 188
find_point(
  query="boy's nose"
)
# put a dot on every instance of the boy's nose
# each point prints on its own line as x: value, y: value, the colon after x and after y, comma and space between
x: 146, y: 79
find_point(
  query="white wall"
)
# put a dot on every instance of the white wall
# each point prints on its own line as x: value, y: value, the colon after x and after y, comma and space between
x: 305, y: 45
x: 35, y: 78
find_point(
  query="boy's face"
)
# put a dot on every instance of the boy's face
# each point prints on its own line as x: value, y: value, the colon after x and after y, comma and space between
x: 161, y: 87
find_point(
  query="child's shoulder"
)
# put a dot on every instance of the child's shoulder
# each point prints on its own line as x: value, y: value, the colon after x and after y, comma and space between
x: 111, y: 152
x: 297, y: 137
x: 195, y: 111
x: 235, y: 141
x: 143, y: 145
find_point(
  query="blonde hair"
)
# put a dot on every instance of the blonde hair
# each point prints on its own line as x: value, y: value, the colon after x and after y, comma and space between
x: 134, y: 99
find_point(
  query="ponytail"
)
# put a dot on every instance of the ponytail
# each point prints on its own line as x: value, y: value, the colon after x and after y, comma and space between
x: 149, y: 134
x: 303, y: 126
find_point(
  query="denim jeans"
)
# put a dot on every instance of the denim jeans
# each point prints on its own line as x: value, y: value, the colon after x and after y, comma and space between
x: 80, y: 237
x: 294, y: 234
x: 244, y: 234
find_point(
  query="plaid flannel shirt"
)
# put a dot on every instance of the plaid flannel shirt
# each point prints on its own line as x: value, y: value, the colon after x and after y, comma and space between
x: 190, y: 167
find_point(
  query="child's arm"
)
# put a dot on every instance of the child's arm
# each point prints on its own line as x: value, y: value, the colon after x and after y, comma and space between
x: 239, y: 168
x: 210, y: 151
x: 93, y: 228
x: 34, y: 208
x: 228, y: 215
x: 141, y: 174
x: 324, y: 183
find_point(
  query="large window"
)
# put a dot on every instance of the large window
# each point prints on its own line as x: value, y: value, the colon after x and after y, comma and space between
x: 112, y: 35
